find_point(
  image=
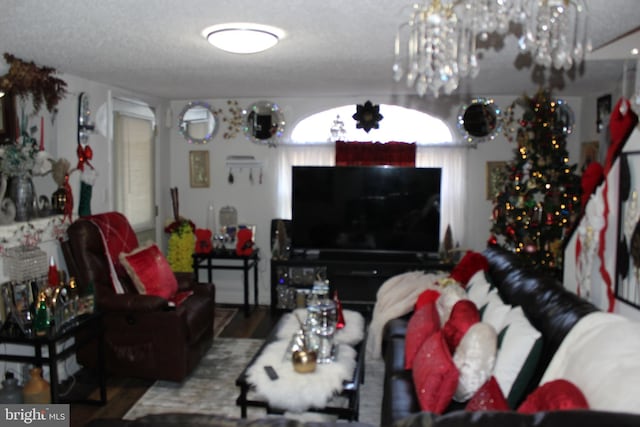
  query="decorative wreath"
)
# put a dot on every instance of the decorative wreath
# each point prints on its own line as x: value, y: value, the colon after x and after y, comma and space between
x: 24, y: 78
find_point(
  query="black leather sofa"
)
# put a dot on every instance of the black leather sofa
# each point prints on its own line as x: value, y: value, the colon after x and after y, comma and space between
x: 550, y: 308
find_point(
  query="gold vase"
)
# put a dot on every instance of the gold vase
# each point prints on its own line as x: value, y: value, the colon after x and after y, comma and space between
x: 37, y: 389
x: 304, y: 361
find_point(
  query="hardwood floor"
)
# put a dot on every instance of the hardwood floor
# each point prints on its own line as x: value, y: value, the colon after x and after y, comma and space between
x: 122, y: 393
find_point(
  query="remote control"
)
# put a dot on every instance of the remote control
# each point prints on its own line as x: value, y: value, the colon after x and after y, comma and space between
x: 271, y: 372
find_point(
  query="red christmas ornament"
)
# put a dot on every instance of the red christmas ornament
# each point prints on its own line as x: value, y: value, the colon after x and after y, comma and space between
x: 340, y: 315
x: 492, y: 240
x: 549, y: 218
x: 511, y: 231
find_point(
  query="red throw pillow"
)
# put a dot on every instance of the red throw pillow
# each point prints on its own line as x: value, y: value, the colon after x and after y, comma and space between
x: 150, y: 271
x: 555, y: 395
x: 469, y: 265
x: 435, y: 376
x: 422, y: 324
x: 426, y: 297
x: 489, y: 397
x: 464, y: 314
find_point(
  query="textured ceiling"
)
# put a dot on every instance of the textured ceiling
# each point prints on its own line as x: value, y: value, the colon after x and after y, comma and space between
x: 331, y: 47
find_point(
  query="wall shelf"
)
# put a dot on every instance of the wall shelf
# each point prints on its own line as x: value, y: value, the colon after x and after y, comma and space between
x: 234, y: 162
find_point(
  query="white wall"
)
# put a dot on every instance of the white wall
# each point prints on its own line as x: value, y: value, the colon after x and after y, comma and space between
x: 256, y: 204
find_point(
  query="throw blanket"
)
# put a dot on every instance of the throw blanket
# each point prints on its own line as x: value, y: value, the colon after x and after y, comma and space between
x: 117, y: 237
x: 396, y: 297
x: 298, y: 392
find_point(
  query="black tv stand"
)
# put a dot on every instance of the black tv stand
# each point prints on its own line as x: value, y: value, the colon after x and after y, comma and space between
x: 355, y: 275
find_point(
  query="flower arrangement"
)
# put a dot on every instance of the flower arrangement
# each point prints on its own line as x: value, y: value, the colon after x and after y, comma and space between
x: 180, y: 247
x: 18, y: 159
x: 182, y: 239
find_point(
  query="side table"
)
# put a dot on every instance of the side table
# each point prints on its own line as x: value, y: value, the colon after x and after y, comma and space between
x: 89, y: 322
x: 229, y: 260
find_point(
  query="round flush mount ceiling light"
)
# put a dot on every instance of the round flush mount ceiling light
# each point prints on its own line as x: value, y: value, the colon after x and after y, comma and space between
x: 243, y: 37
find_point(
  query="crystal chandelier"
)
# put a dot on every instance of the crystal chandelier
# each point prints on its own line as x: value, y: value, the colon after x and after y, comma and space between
x: 555, y: 32
x: 437, y: 46
x: 432, y: 50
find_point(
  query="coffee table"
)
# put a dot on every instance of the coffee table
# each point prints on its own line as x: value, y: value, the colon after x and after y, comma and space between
x: 345, y: 404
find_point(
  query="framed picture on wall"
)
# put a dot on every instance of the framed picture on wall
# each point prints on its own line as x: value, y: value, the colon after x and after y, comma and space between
x: 199, y: 169
x: 495, y: 178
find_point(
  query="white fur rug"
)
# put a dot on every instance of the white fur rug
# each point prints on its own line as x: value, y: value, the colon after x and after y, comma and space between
x: 299, y: 392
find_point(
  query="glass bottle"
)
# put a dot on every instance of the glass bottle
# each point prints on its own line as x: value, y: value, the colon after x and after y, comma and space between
x: 42, y: 320
x: 37, y: 389
x: 11, y: 392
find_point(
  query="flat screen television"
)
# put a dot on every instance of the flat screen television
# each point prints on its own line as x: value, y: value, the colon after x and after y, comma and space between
x: 379, y: 209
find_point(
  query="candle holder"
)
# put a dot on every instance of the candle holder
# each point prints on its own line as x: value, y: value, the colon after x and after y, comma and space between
x: 321, y: 320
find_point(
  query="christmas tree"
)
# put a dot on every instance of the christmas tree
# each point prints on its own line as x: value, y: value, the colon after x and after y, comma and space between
x: 540, y: 194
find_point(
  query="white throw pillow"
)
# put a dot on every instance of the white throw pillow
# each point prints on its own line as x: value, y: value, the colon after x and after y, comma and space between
x: 495, y: 311
x: 600, y: 356
x: 478, y: 289
x: 475, y: 357
x: 517, y: 356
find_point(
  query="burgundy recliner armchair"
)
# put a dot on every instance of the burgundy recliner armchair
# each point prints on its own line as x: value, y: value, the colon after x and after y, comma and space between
x: 144, y: 335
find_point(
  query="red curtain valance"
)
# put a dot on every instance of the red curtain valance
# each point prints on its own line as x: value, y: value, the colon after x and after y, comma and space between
x: 393, y: 153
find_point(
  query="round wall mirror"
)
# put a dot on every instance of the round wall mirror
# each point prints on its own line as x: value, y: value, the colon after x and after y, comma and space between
x: 564, y: 118
x: 479, y: 120
x: 263, y: 123
x: 197, y: 122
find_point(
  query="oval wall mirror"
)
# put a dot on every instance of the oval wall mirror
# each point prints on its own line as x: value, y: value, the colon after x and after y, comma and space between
x: 197, y: 122
x: 479, y: 120
x: 263, y: 123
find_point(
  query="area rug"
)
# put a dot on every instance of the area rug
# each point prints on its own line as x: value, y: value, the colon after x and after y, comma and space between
x: 211, y: 388
x: 222, y: 318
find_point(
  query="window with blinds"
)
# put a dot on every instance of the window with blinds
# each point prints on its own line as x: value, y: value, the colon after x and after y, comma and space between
x: 134, y: 168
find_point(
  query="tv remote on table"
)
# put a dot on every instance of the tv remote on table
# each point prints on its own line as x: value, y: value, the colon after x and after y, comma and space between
x: 271, y: 372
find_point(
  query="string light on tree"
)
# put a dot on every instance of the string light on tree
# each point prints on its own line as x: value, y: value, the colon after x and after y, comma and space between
x: 540, y: 194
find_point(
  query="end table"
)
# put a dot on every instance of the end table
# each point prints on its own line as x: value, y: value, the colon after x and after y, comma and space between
x: 229, y: 260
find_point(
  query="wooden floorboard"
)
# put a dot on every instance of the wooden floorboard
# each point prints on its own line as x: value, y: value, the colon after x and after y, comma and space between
x: 122, y: 393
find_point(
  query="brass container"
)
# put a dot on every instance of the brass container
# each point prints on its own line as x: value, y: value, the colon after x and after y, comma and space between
x: 304, y: 361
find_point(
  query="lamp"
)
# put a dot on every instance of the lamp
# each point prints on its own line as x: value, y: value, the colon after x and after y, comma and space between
x: 243, y: 38
x: 441, y: 36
